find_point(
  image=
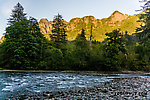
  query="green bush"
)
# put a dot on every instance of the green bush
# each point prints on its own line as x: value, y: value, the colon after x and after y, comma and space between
x: 139, y: 65
x: 1, y: 68
x: 53, y: 59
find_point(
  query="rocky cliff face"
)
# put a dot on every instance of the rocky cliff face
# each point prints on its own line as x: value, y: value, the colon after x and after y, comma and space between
x: 2, y: 39
x: 99, y: 26
x: 117, y: 16
x: 84, y: 22
x: 75, y: 26
x: 45, y: 25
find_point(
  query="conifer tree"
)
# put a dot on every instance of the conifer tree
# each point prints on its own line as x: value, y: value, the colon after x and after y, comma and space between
x: 59, y: 32
x: 143, y: 32
x: 23, y: 46
x: 17, y: 14
x: 114, y: 45
x: 81, y: 51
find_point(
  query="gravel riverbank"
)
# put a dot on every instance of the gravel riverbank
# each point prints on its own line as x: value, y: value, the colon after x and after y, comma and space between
x: 137, y: 88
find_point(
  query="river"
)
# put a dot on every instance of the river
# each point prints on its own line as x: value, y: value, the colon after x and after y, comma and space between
x: 16, y: 84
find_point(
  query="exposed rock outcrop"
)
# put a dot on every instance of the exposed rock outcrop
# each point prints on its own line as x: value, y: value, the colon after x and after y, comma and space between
x: 45, y: 25
x: 100, y: 26
x: 2, y: 39
x: 118, y: 16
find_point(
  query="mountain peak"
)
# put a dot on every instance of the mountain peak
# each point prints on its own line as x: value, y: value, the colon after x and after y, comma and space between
x: 43, y: 20
x: 117, y: 16
x: 117, y: 12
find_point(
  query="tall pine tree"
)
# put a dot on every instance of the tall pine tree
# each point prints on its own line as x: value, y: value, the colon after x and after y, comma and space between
x: 59, y: 32
x: 81, y: 51
x: 17, y: 14
x: 114, y: 45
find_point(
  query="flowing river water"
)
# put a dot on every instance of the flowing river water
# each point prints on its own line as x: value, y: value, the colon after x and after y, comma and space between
x: 17, y: 83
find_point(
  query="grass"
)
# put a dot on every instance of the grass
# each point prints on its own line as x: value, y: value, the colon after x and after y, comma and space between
x: 1, y: 68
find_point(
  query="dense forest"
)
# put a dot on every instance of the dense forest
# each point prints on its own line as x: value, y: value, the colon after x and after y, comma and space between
x: 25, y: 47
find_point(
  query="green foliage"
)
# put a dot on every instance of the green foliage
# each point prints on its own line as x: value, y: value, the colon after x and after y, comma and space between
x: 2, y: 59
x: 69, y: 57
x: 142, y: 51
x: 22, y: 47
x: 112, y: 48
x: 143, y: 32
x: 139, y: 65
x: 130, y: 40
x: 1, y: 69
x: 53, y: 59
x: 96, y: 59
x: 147, y: 50
x: 83, y: 57
x: 58, y: 33
x: 81, y: 51
x: 25, y: 47
x: 130, y: 24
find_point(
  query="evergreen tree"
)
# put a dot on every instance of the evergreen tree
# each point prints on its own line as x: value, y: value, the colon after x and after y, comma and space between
x: 23, y: 46
x: 59, y: 33
x: 143, y: 32
x: 82, y: 51
x: 113, y: 46
x: 81, y: 40
x: 17, y: 14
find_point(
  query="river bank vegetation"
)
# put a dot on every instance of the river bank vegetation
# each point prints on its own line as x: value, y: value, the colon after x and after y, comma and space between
x: 25, y: 47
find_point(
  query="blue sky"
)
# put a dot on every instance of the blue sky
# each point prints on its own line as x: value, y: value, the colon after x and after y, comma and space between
x: 67, y: 8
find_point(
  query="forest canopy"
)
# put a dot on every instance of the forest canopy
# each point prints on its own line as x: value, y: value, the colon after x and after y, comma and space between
x: 25, y: 47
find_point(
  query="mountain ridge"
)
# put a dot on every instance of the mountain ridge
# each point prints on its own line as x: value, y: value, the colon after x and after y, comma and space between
x: 99, y: 26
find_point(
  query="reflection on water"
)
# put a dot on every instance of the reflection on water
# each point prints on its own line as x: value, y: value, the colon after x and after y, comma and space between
x: 15, y: 84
